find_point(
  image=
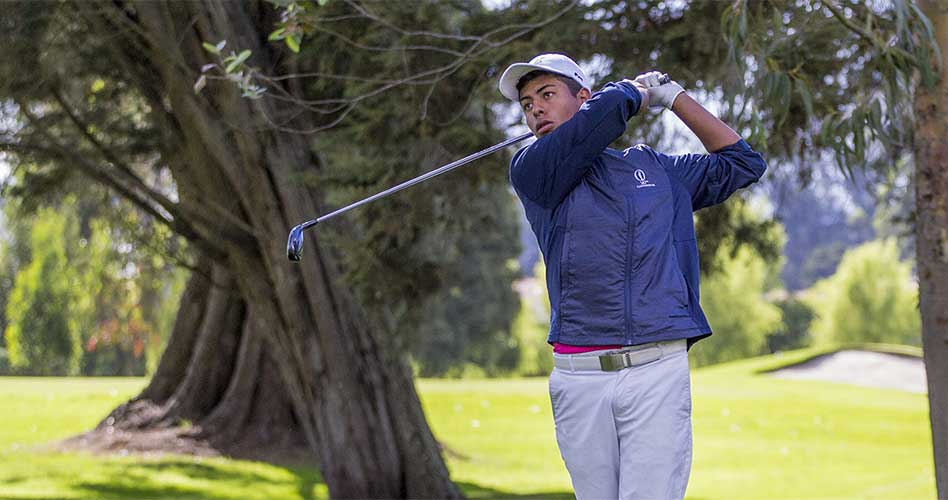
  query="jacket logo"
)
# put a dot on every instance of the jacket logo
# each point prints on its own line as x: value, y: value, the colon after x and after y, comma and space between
x: 640, y: 176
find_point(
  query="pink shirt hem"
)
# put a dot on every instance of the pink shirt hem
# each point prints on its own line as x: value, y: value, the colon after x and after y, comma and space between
x: 578, y: 349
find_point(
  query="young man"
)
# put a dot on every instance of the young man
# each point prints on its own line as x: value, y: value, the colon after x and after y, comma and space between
x: 617, y: 236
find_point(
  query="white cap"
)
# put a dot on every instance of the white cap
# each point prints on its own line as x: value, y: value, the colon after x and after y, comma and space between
x: 554, y: 63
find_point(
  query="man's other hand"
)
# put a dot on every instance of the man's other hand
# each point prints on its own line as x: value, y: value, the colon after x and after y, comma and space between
x: 660, y: 95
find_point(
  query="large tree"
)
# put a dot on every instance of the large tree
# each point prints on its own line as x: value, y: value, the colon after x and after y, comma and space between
x: 931, y: 236
x: 265, y: 354
x: 262, y: 351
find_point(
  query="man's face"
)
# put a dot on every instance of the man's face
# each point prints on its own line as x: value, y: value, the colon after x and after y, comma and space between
x: 547, y: 103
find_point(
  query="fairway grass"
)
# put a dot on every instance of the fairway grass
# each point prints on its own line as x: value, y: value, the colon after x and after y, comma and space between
x: 755, y: 437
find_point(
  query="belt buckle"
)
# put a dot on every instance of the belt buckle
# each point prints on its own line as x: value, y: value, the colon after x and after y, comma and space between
x: 612, y: 362
x: 622, y: 360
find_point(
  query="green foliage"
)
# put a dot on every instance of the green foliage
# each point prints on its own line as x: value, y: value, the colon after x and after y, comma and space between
x: 432, y: 263
x: 114, y: 332
x: 233, y: 68
x: 794, y: 331
x: 4, y: 358
x: 871, y: 298
x: 40, y: 336
x: 294, y: 22
x: 118, y: 296
x: 742, y: 268
x: 532, y: 325
x: 832, y: 77
x: 734, y: 225
x: 214, y: 49
x: 166, y: 292
x: 7, y: 273
x: 740, y: 317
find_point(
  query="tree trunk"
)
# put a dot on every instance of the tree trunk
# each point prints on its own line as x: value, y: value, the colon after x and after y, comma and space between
x: 931, y: 181
x: 263, y: 350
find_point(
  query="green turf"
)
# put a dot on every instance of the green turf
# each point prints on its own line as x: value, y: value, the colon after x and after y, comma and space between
x: 755, y: 437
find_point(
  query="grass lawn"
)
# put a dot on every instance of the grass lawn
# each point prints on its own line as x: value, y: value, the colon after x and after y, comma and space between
x: 755, y: 437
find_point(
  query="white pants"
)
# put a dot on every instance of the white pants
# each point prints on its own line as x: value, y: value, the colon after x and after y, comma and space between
x: 625, y: 434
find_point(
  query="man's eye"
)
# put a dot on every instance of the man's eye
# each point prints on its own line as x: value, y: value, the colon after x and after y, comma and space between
x: 547, y: 94
x: 528, y: 106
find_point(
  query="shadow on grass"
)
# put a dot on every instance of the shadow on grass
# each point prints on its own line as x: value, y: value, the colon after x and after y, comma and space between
x: 143, y: 481
x: 208, y: 480
x: 472, y: 490
x: 138, y: 481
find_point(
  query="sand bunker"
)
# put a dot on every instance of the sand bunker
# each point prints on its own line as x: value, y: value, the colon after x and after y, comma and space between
x: 865, y: 368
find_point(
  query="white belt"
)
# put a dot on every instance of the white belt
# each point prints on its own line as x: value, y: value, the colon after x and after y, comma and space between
x: 614, y: 360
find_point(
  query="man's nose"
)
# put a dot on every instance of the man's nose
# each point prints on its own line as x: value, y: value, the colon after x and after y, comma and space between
x: 537, y: 111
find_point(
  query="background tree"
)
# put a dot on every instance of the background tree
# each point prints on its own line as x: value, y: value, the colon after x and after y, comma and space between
x: 8, y: 270
x: 794, y: 332
x: 739, y: 284
x: 532, y: 324
x: 870, y: 298
x: 822, y: 219
x: 41, y: 336
x: 120, y: 287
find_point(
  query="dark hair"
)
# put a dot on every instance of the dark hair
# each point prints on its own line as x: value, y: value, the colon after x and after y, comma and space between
x: 571, y: 84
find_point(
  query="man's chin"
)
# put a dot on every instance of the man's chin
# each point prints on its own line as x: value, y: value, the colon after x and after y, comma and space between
x: 544, y: 130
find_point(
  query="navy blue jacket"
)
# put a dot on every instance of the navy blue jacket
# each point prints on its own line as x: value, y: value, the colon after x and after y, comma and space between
x: 615, y: 227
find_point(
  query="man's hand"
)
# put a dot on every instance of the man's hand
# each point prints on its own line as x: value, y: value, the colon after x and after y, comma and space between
x: 643, y: 90
x: 660, y: 95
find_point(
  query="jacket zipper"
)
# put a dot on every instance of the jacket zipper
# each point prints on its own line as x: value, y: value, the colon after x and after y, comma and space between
x: 628, y: 272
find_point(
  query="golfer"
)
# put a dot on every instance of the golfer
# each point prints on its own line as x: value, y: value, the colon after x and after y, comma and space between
x: 616, y: 232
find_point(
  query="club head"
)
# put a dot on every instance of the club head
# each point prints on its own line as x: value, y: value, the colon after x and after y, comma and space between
x: 294, y: 244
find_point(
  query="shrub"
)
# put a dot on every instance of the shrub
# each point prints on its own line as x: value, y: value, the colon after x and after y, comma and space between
x: 872, y: 297
x: 740, y: 316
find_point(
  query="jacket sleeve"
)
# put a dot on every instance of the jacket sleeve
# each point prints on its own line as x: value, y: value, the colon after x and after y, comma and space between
x: 712, y: 178
x: 547, y: 170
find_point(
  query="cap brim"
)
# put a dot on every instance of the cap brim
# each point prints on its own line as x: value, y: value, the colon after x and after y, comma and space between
x: 513, y: 74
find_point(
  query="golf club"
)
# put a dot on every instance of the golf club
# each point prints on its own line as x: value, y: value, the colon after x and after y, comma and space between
x: 294, y: 245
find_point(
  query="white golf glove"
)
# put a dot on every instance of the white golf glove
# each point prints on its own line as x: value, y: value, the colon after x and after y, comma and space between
x: 659, y: 95
x: 642, y: 89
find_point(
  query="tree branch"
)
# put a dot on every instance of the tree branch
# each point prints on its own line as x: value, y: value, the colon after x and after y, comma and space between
x: 868, y: 36
x: 237, y: 229
x: 56, y: 150
x: 365, y: 13
x: 481, y: 44
x: 395, y: 48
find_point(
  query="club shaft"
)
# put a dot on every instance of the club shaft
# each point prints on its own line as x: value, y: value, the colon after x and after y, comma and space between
x: 421, y: 178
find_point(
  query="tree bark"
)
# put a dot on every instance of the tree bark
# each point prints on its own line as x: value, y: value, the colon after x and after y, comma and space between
x: 931, y: 184
x: 181, y: 342
x: 264, y: 350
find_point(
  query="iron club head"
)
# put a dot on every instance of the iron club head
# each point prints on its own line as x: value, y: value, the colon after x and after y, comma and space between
x: 294, y: 244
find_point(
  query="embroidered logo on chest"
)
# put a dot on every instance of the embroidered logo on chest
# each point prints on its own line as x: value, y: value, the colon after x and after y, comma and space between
x: 643, y: 181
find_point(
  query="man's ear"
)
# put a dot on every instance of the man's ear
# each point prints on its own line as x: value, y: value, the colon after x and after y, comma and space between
x: 583, y: 94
